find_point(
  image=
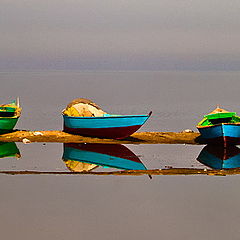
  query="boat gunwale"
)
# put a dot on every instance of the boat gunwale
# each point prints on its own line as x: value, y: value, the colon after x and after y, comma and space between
x: 109, y: 117
x: 215, y: 125
x: 16, y: 116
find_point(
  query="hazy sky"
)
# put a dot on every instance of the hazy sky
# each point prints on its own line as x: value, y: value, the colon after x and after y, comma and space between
x: 120, y: 34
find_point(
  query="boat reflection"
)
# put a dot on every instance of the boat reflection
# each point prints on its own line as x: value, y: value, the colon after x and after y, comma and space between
x: 218, y: 157
x: 86, y: 157
x: 9, y: 149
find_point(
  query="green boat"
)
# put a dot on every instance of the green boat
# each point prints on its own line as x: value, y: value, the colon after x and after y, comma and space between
x: 9, y: 114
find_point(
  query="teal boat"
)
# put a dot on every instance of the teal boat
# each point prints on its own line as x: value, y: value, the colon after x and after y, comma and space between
x: 84, y: 117
x: 9, y: 114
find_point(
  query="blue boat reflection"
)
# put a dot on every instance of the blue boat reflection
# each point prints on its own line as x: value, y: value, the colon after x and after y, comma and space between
x: 9, y: 149
x: 218, y: 157
x: 86, y: 157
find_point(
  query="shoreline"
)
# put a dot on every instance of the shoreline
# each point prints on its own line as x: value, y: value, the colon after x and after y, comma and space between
x: 150, y: 173
x: 56, y: 136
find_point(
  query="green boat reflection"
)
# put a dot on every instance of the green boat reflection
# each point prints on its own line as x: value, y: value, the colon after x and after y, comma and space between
x: 218, y: 157
x: 86, y: 157
x: 9, y: 149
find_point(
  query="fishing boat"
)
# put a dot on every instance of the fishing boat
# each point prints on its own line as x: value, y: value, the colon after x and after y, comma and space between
x: 9, y: 114
x: 107, y: 126
x: 220, y: 127
x: 84, y: 117
x: 218, y: 157
x: 105, y: 155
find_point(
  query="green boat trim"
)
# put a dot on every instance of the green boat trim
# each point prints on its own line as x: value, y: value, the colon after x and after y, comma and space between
x: 11, y: 110
x: 219, y: 118
x: 7, y: 109
x: 220, y: 115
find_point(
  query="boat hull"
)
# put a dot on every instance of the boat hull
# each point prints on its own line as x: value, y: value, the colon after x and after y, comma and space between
x: 7, y: 124
x: 115, y: 133
x: 224, y: 134
x: 104, y: 127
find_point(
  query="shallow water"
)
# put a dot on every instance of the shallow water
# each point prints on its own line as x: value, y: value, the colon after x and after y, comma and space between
x: 116, y: 207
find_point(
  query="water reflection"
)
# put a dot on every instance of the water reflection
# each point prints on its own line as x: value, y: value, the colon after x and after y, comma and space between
x: 218, y: 157
x: 9, y: 149
x: 86, y: 157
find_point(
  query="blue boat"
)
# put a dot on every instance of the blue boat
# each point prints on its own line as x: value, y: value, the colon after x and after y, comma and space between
x: 106, y: 155
x: 107, y: 126
x: 218, y: 157
x: 220, y: 127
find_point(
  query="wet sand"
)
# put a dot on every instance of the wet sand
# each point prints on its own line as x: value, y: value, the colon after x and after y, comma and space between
x: 136, y: 138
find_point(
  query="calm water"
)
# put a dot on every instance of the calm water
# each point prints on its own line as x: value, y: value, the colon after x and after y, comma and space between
x: 117, y: 207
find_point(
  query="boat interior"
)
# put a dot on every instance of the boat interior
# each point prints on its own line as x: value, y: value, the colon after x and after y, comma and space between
x: 214, y: 119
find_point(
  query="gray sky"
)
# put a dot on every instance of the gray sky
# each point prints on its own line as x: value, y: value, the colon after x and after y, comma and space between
x: 120, y: 34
